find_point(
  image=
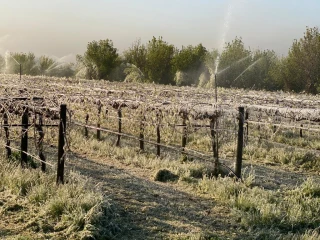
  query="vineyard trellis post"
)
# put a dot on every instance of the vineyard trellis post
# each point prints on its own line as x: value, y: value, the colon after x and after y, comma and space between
x: 276, y: 121
x: 61, y: 143
x: 40, y: 143
x: 141, y: 134
x: 24, y: 136
x: 184, y: 134
x: 240, y: 143
x: 6, y: 129
x: 99, y: 120
x: 86, y: 133
x: 119, y: 127
x: 213, y: 132
x: 158, y: 134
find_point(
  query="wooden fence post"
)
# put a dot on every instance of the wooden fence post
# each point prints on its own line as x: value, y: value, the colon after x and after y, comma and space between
x: 6, y: 129
x: 24, y: 136
x: 214, y: 136
x: 240, y: 143
x: 158, y: 134
x: 276, y: 121
x: 141, y: 135
x: 301, y: 135
x: 119, y: 127
x: 40, y: 143
x: 86, y: 134
x: 61, y: 143
x: 184, y: 133
x: 99, y: 119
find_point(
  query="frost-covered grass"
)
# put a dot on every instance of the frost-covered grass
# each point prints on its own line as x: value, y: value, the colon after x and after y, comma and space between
x: 32, y: 205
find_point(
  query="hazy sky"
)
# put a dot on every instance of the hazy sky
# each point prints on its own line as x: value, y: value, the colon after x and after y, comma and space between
x: 64, y: 27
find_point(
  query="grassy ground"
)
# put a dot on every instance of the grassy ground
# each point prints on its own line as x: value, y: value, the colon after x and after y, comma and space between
x: 269, y: 203
x: 159, y: 198
x: 33, y: 207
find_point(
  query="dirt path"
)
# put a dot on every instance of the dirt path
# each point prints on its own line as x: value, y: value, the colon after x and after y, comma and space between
x: 153, y: 210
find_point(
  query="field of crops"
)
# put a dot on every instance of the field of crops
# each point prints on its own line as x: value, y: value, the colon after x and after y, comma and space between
x: 187, y: 126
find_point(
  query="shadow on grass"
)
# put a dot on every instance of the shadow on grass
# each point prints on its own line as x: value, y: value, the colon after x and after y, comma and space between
x: 151, y: 210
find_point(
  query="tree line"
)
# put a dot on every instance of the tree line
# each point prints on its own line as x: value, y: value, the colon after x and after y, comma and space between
x: 160, y: 62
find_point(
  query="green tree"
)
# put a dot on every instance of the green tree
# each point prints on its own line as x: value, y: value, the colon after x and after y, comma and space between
x: 27, y: 61
x: 99, y: 59
x: 159, y: 61
x: 234, y: 60
x: 45, y: 65
x: 303, y: 63
x: 137, y: 55
x: 188, y: 64
x: 259, y: 74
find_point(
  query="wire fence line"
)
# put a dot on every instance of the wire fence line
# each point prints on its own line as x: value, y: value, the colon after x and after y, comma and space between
x: 165, y: 109
x: 30, y: 155
x: 283, y: 126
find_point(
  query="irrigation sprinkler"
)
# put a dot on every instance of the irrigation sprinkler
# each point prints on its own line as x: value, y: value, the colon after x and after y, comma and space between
x: 8, y: 55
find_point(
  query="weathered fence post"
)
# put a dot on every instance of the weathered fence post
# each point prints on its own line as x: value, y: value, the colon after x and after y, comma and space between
x: 40, y: 143
x: 61, y: 143
x: 6, y: 129
x: 141, y: 135
x: 240, y: 143
x: 86, y: 134
x: 158, y: 134
x: 184, y: 133
x: 301, y: 135
x: 24, y: 136
x: 214, y: 138
x: 119, y: 127
x: 99, y: 121
x: 276, y: 121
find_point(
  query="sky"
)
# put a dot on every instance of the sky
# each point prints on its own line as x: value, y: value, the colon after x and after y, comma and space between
x: 62, y: 28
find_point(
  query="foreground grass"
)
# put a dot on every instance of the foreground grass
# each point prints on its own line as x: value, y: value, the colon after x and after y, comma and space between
x: 286, y: 213
x: 33, y: 207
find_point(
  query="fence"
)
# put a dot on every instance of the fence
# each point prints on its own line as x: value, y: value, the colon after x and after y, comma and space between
x: 154, y: 119
x: 178, y: 126
x: 26, y: 108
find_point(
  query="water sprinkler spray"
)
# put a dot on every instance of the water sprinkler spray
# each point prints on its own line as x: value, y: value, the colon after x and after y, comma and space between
x: 216, y: 87
x: 20, y: 70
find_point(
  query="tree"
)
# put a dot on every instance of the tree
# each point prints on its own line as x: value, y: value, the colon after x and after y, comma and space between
x: 259, y: 73
x: 303, y: 63
x: 99, y: 59
x: 137, y: 55
x: 46, y: 64
x: 85, y: 68
x: 188, y: 63
x: 27, y: 61
x: 2, y: 64
x: 159, y: 61
x: 234, y: 60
